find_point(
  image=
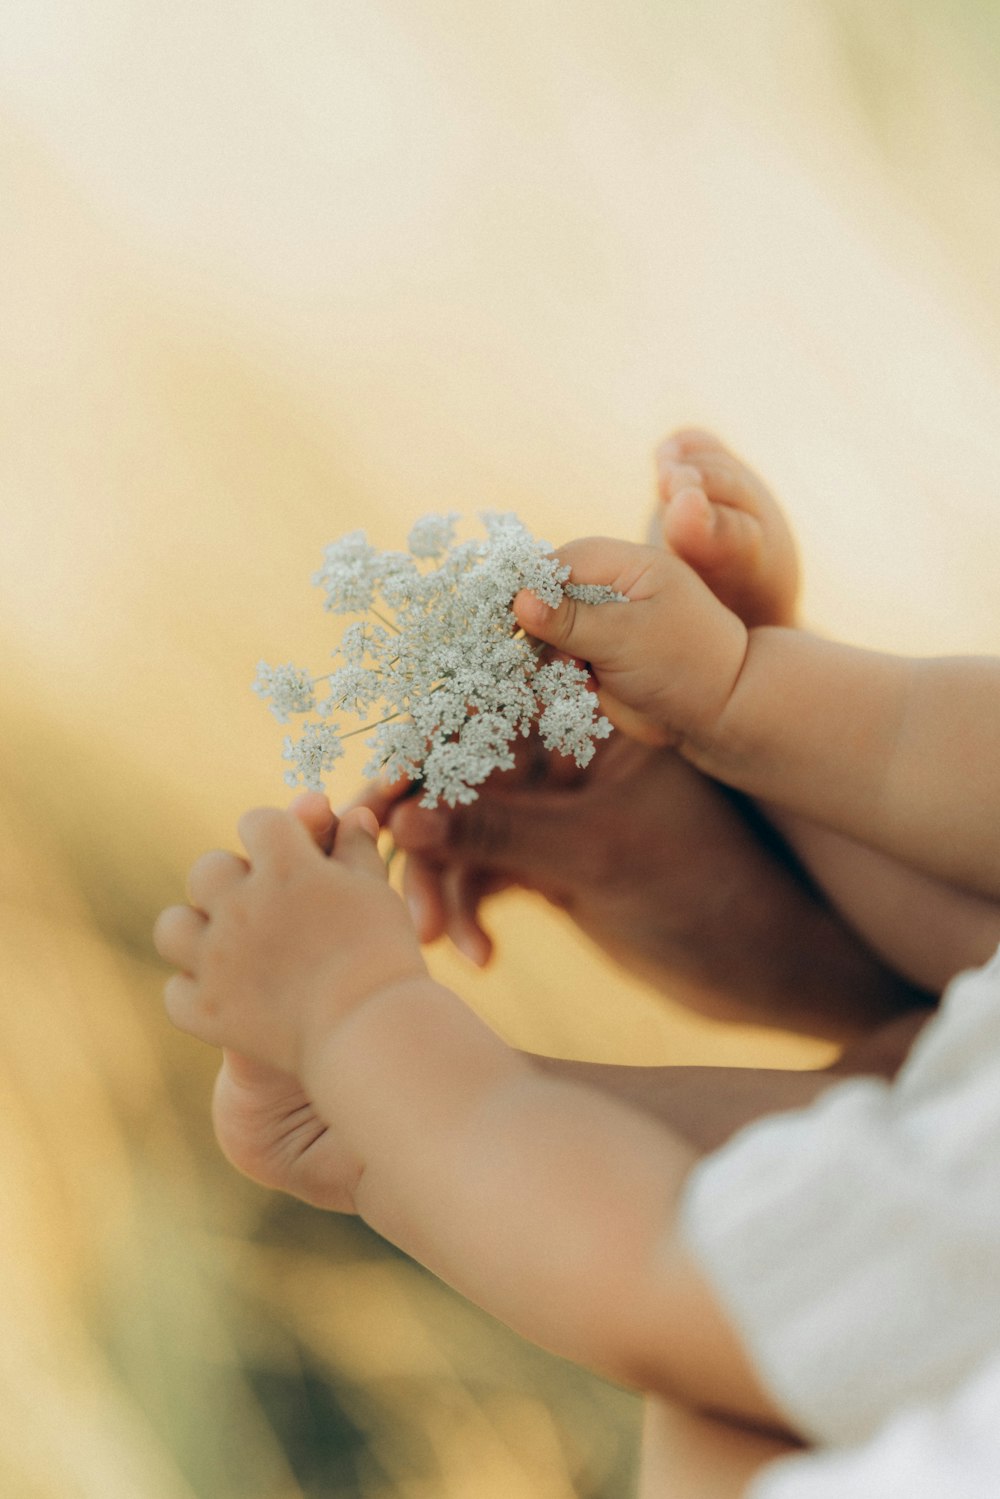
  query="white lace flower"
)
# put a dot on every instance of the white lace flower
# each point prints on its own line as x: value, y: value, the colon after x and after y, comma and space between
x: 314, y: 755
x: 569, y: 721
x: 354, y: 688
x: 289, y: 688
x: 432, y: 535
x: 595, y: 593
x: 350, y: 574
x: 454, y: 681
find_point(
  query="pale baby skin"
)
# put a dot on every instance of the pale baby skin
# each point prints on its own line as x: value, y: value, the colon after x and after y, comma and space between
x: 717, y: 514
x: 891, y: 751
x: 550, y: 1206
x: 405, y: 1108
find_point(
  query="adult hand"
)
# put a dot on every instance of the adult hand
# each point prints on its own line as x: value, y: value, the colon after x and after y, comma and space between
x: 669, y: 874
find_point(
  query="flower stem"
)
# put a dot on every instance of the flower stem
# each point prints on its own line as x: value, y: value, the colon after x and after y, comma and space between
x: 393, y: 627
x: 367, y: 727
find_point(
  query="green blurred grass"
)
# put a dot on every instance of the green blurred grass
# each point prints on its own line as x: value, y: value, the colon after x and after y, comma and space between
x: 172, y: 1330
x: 169, y: 1328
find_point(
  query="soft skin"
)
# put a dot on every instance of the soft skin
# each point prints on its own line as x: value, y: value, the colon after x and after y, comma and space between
x: 341, y: 1132
x: 532, y: 1195
x: 690, y: 874
x: 892, y: 751
x: 667, y: 873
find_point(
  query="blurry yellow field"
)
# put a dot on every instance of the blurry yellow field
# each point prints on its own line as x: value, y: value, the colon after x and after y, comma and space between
x: 273, y: 273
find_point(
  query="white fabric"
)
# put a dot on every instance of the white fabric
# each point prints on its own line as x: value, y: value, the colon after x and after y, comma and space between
x: 856, y: 1244
x: 947, y: 1451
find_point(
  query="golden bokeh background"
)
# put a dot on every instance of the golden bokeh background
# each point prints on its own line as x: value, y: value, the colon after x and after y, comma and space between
x: 274, y: 272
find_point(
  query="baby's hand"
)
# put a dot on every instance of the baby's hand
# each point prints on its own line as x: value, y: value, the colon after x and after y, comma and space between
x: 665, y: 663
x: 276, y: 950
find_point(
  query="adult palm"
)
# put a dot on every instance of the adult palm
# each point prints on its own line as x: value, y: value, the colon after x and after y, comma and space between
x: 675, y: 878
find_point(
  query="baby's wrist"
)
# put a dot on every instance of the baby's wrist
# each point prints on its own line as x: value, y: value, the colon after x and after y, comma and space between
x: 340, y: 1002
x: 719, y: 667
x: 411, y: 1058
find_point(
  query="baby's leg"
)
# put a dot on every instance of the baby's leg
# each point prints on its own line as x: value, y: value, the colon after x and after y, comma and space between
x: 721, y: 518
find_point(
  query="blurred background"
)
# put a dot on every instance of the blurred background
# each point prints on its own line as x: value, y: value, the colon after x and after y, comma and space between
x: 271, y: 273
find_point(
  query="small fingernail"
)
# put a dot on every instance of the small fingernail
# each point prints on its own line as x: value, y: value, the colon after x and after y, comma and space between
x: 471, y: 947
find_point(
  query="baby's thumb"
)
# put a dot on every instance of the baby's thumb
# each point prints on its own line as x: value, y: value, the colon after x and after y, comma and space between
x: 584, y: 630
x: 357, y: 842
x: 317, y: 817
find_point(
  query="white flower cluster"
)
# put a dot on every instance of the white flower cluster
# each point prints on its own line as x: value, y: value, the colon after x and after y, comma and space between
x: 437, y: 655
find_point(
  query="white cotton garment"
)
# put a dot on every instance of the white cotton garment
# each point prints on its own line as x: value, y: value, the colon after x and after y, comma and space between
x: 946, y: 1451
x: 856, y: 1243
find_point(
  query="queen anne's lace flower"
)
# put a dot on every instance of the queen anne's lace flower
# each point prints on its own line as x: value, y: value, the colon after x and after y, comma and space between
x: 290, y: 690
x: 595, y: 593
x: 453, y: 680
x: 314, y: 754
x: 562, y: 688
x: 432, y: 535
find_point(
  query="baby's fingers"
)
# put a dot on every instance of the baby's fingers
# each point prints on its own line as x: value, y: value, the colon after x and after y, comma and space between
x: 587, y: 631
x: 316, y: 815
x: 180, y: 998
x: 356, y: 846
x: 212, y: 875
x: 177, y: 936
x: 274, y: 839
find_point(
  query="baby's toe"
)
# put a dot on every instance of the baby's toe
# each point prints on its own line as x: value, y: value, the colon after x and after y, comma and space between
x: 712, y: 538
x: 672, y: 478
x: 689, y: 445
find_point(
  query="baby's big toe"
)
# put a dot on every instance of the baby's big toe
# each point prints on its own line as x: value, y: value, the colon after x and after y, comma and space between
x: 711, y: 538
x: 688, y: 444
x: 674, y: 477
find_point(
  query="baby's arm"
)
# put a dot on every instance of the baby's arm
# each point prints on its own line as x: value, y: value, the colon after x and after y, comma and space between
x: 551, y: 1207
x: 894, y: 752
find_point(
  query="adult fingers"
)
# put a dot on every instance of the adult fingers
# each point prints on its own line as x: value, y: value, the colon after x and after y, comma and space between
x: 212, y: 875
x: 671, y: 478
x: 380, y: 796
x: 356, y: 844
x: 444, y: 899
x: 177, y: 935
x: 423, y: 893
x: 464, y: 888
x: 534, y: 836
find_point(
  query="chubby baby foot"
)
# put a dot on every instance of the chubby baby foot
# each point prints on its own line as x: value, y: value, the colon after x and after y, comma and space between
x: 724, y: 522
